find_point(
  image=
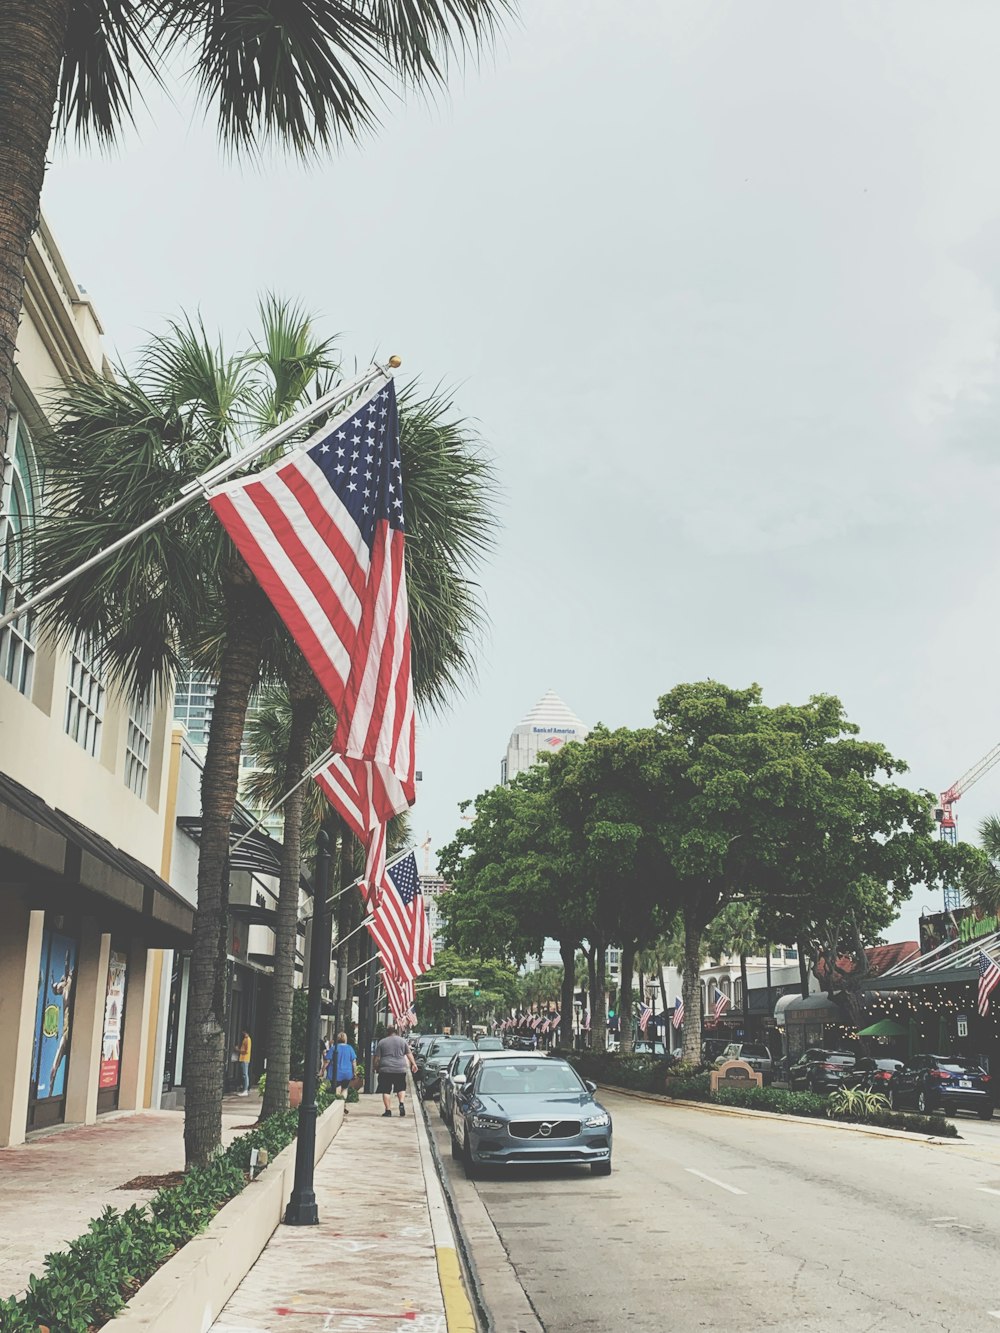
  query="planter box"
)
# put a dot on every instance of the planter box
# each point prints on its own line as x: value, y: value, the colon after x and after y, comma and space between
x: 190, y: 1290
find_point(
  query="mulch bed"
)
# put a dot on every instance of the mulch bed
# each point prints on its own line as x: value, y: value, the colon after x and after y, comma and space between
x: 153, y: 1182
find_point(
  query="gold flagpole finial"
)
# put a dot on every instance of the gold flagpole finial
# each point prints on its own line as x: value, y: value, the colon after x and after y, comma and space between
x: 395, y: 362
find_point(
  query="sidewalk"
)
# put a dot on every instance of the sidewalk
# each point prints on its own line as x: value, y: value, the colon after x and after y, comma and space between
x: 373, y: 1261
x: 53, y: 1185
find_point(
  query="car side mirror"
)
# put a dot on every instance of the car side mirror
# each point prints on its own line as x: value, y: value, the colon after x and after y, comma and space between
x: 458, y: 1080
x: 591, y: 1087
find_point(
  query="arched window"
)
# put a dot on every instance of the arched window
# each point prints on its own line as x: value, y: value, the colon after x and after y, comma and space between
x: 18, y: 504
x: 737, y: 994
x: 726, y: 987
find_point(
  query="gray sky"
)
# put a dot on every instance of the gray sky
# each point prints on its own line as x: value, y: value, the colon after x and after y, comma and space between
x: 720, y: 282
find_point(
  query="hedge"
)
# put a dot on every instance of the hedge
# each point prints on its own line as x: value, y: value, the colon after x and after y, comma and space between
x: 85, y: 1285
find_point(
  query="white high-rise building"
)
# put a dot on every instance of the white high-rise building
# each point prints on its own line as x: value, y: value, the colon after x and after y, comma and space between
x: 547, y: 728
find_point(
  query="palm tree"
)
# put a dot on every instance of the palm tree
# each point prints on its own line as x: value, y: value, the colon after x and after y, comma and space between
x: 305, y: 74
x: 120, y: 451
x: 985, y: 890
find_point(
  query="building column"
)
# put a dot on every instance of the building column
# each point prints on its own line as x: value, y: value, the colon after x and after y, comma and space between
x: 138, y: 994
x: 159, y: 1044
x: 20, y: 959
x: 87, y: 1034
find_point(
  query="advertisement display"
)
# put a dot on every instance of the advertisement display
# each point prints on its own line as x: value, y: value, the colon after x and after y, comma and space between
x: 114, y: 1008
x: 53, y: 1021
x: 962, y: 925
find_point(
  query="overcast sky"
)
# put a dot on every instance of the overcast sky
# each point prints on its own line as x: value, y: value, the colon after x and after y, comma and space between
x: 720, y: 283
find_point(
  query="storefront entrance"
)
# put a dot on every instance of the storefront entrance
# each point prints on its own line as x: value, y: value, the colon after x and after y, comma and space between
x: 53, y: 1027
x: 109, y: 1079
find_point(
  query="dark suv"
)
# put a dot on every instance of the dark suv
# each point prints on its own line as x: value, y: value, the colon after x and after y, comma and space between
x: 820, y: 1070
x: 942, y: 1083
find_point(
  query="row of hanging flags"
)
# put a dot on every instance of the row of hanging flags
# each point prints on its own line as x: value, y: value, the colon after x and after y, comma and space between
x: 323, y: 531
x: 538, y: 1023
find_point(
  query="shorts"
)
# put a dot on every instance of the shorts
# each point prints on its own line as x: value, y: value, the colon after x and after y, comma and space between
x: 391, y: 1083
x: 343, y: 1081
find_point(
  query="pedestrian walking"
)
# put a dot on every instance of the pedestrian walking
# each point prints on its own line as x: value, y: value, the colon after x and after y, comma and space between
x: 246, y: 1046
x: 392, y: 1059
x: 345, y: 1065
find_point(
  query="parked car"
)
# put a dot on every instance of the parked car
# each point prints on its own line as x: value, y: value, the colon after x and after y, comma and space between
x: 519, y: 1042
x: 712, y: 1048
x: 646, y: 1047
x: 871, y: 1074
x: 421, y: 1046
x: 756, y: 1056
x: 452, y: 1079
x: 439, y: 1053
x: 820, y: 1070
x: 515, y: 1110
x: 489, y: 1044
x: 942, y: 1083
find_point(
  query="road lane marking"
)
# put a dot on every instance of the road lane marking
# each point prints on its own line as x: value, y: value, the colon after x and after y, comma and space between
x: 712, y: 1181
x: 944, y: 1219
x: 985, y: 1189
x: 994, y: 1314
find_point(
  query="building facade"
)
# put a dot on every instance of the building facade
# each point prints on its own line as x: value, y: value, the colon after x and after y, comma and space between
x: 546, y: 728
x: 85, y: 826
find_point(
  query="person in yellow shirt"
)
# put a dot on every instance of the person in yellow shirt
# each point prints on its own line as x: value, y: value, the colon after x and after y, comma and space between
x: 246, y: 1046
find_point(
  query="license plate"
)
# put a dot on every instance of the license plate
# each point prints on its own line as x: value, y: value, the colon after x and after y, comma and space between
x: 965, y: 1082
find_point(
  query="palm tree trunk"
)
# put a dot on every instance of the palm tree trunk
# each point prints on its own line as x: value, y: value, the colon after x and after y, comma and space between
x: 692, y: 988
x: 666, y: 1007
x: 625, y: 998
x: 599, y: 999
x: 205, y: 1058
x: 567, y: 951
x: 803, y: 970
x: 305, y: 701
x: 32, y: 38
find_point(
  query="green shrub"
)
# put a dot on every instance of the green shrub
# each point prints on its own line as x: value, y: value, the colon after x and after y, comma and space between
x: 692, y: 1087
x: 641, y: 1073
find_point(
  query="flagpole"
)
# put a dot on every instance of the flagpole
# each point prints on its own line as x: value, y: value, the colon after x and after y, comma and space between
x: 194, y: 490
x: 310, y: 772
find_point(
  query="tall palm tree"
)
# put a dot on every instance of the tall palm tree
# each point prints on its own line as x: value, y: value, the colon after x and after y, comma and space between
x: 985, y: 889
x: 304, y: 74
x: 120, y: 451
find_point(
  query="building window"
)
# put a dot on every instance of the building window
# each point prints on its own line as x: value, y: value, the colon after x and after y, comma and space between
x: 725, y: 987
x: 85, y: 695
x: 737, y: 994
x: 193, y: 702
x: 137, y: 744
x: 17, y: 511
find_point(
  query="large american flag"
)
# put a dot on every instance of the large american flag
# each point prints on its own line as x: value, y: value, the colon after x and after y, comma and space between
x: 721, y: 1004
x: 399, y: 992
x: 398, y: 923
x: 645, y: 1014
x: 678, y: 1015
x: 322, y: 531
x: 989, y: 976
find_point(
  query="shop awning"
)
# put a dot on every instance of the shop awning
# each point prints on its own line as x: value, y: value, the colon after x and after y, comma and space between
x: 258, y: 853
x: 72, y: 868
x: 795, y: 1009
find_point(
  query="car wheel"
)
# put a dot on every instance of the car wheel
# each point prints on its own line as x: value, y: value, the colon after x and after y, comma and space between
x: 986, y: 1113
x: 922, y: 1102
x: 456, y: 1151
x: 471, y: 1169
x: 601, y: 1168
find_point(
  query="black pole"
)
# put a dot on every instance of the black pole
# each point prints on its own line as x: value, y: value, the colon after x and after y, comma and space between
x: 302, y: 1210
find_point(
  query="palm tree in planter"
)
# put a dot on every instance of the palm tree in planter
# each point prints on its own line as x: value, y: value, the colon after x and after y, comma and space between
x: 303, y: 74
x: 121, y: 450
x: 450, y: 492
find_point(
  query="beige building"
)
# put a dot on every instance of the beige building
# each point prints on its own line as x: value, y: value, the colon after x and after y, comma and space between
x: 87, y: 796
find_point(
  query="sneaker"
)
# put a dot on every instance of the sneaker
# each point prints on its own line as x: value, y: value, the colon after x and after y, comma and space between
x: 402, y: 1109
x: 386, y: 1113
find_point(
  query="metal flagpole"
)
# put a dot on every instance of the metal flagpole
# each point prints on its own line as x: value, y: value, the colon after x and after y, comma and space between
x: 197, y: 488
x: 311, y: 771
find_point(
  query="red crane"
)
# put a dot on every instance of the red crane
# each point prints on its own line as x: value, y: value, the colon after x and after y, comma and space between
x: 945, y: 814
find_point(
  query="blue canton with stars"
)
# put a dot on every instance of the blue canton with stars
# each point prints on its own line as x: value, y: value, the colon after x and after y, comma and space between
x: 360, y: 459
x: 405, y: 879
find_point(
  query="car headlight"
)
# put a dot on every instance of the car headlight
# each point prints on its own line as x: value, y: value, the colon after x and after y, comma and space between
x: 595, y: 1121
x: 486, y: 1122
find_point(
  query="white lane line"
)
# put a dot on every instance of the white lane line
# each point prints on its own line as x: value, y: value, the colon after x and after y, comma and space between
x: 944, y: 1219
x: 985, y: 1189
x: 994, y: 1314
x: 712, y: 1181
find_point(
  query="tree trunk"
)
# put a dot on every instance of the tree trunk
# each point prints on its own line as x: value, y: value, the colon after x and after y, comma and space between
x: 745, y: 985
x: 567, y: 951
x: 625, y: 998
x: 306, y: 700
x: 591, y: 992
x: 206, y: 1055
x: 666, y: 1008
x: 803, y: 970
x: 599, y: 1013
x: 32, y: 40
x: 692, y: 988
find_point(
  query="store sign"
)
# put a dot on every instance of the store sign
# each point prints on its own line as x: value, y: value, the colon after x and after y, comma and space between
x: 114, y: 1009
x: 963, y: 1025
x: 53, y: 1015
x: 964, y: 924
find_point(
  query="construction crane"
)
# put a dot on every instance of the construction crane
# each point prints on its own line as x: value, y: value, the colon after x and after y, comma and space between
x: 945, y: 814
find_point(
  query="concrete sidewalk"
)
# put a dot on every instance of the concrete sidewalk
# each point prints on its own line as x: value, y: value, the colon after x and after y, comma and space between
x: 51, y: 1186
x: 382, y: 1256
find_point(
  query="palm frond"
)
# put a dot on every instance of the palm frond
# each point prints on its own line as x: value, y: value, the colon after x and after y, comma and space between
x: 293, y: 357
x: 420, y: 36
x: 107, y: 42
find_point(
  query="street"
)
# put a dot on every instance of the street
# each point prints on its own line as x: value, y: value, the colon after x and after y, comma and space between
x: 717, y: 1220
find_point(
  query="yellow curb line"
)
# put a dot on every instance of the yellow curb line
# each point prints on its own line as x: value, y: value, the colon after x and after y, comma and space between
x: 457, y: 1310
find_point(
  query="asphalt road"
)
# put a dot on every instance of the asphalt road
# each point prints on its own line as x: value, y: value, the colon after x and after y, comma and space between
x: 711, y: 1220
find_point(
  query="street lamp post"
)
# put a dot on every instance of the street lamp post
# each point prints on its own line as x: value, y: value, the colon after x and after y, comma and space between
x: 302, y: 1210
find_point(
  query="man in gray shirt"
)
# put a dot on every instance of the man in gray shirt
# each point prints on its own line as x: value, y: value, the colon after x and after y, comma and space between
x: 392, y: 1059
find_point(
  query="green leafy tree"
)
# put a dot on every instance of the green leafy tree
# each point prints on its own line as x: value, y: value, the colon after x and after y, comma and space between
x: 495, y: 990
x: 296, y: 73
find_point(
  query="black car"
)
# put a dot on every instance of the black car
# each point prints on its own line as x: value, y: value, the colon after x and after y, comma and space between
x: 942, y: 1083
x: 436, y: 1061
x: 820, y: 1070
x: 873, y: 1075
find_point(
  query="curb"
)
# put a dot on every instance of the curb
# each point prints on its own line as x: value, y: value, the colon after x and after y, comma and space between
x: 450, y: 1247
x: 713, y: 1108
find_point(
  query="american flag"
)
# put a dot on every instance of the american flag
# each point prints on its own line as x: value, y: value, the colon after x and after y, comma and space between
x: 989, y: 976
x: 645, y: 1014
x: 585, y: 1025
x: 322, y: 531
x: 721, y: 1004
x: 399, y: 992
x: 678, y: 1015
x: 398, y: 923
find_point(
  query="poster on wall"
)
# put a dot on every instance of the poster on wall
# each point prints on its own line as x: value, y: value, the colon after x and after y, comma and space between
x: 114, y: 1006
x: 56, y: 979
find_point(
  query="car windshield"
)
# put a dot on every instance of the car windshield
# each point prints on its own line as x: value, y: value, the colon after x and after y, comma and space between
x: 839, y: 1058
x: 448, y: 1046
x: 528, y: 1080
x: 954, y: 1065
x: 758, y: 1052
x: 490, y: 1044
